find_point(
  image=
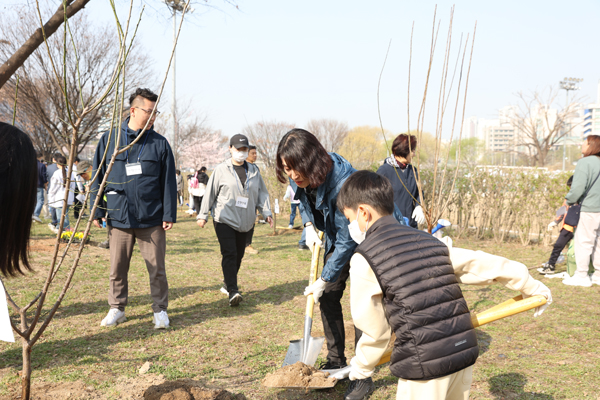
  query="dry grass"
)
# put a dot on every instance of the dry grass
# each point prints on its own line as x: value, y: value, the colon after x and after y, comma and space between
x: 552, y: 357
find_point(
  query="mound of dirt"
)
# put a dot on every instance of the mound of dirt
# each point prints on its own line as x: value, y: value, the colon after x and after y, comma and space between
x: 187, y: 390
x: 298, y: 375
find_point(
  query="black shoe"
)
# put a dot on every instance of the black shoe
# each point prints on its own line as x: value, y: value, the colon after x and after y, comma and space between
x: 332, y: 365
x: 359, y: 389
x: 235, y: 299
x: 303, y: 247
x: 546, y: 269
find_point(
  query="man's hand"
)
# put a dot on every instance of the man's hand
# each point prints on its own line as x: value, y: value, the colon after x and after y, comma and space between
x: 551, y: 225
x: 270, y: 221
x: 167, y: 225
x: 201, y: 222
x: 96, y: 223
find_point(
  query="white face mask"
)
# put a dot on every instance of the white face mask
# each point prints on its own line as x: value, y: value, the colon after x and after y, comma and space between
x: 239, y: 156
x: 355, y: 233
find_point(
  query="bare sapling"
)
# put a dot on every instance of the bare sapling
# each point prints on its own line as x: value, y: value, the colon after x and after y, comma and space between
x: 451, y: 102
x: 32, y: 325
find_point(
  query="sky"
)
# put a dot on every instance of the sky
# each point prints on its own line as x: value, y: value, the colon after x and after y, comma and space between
x: 293, y: 61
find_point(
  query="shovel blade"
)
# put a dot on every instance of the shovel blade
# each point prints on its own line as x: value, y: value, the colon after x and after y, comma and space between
x: 296, y: 351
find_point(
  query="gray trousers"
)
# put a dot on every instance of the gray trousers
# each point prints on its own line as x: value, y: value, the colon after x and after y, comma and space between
x: 153, y: 244
x: 587, y: 244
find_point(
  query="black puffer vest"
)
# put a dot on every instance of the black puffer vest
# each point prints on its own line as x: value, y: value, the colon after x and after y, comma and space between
x: 423, y: 302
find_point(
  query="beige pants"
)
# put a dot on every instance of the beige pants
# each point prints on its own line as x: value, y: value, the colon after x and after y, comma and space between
x: 451, y: 387
x: 587, y: 244
x: 153, y: 245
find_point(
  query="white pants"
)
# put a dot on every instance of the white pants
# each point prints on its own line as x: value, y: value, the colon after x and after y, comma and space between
x: 587, y: 244
x: 451, y: 387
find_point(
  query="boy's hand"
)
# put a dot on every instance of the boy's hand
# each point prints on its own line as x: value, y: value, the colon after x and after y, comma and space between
x: 544, y: 291
x: 316, y: 289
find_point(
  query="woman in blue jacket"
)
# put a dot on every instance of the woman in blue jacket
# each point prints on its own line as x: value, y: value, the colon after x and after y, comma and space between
x: 316, y: 177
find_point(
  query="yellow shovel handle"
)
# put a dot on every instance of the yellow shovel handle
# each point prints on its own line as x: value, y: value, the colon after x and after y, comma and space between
x: 510, y: 307
x: 314, y: 268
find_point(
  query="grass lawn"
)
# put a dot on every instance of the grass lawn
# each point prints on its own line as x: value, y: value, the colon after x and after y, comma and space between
x: 555, y: 356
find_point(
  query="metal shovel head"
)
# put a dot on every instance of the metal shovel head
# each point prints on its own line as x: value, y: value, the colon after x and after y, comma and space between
x: 296, y: 352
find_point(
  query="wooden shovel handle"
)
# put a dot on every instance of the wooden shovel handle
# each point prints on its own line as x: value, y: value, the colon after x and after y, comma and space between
x: 510, y: 307
x: 314, y: 268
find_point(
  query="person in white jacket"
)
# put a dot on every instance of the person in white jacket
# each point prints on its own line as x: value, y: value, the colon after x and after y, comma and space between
x: 367, y: 297
x: 56, y: 193
x: 235, y: 191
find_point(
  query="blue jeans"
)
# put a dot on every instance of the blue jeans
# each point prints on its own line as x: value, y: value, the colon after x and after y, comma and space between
x: 52, y: 212
x: 58, y: 211
x: 293, y: 214
x: 40, y: 202
x: 302, y: 241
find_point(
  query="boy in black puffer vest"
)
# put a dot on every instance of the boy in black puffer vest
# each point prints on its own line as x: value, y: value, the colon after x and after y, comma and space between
x: 407, y: 281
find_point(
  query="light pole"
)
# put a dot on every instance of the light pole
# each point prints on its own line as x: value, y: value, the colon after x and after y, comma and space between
x: 568, y: 84
x: 174, y: 6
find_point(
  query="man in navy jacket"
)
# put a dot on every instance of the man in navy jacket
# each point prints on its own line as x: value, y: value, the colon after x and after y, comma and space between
x: 139, y: 203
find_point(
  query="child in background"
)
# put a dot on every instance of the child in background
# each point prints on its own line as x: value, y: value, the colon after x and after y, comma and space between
x: 564, y: 237
x: 405, y: 280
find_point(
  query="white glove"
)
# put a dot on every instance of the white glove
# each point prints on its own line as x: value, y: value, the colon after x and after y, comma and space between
x: 418, y: 215
x: 286, y: 196
x: 80, y: 197
x: 544, y: 291
x: 551, y: 225
x: 312, y: 237
x: 316, y: 288
x: 356, y: 374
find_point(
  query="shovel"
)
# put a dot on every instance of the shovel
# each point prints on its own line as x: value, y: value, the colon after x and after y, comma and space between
x: 510, y: 307
x: 308, y: 348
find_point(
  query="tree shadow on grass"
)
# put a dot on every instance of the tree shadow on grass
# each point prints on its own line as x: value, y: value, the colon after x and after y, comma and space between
x: 78, y: 350
x: 505, y: 386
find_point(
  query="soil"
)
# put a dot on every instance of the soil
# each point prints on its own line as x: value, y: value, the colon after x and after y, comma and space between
x: 187, y: 390
x: 298, y: 375
x: 148, y: 387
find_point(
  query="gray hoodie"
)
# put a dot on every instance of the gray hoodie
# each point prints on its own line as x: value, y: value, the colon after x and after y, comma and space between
x: 222, y: 191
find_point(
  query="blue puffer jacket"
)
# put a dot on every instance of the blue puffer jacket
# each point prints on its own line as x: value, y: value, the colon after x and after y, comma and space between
x: 336, y: 224
x: 136, y: 201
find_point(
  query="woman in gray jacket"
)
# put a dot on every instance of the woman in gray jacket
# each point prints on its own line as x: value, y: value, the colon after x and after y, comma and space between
x: 234, y: 192
x: 585, y: 190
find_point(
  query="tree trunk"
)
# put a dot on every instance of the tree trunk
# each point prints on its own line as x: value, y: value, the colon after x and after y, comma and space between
x: 26, y: 372
x: 16, y: 60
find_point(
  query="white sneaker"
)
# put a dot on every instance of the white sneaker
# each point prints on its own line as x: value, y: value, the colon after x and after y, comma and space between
x: 36, y: 219
x: 224, y: 290
x: 114, y: 317
x: 595, y: 280
x: 161, y: 320
x: 576, y: 281
x: 290, y: 226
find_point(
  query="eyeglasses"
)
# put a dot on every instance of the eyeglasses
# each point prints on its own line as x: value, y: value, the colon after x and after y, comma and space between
x: 148, y: 111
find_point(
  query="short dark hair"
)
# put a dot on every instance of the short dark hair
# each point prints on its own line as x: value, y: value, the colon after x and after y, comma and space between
x: 303, y: 153
x: 593, y: 146
x: 251, y: 147
x: 202, y: 169
x: 570, y: 181
x: 367, y: 187
x: 145, y: 93
x: 77, y: 159
x: 178, y: 172
x: 18, y: 188
x: 401, y: 146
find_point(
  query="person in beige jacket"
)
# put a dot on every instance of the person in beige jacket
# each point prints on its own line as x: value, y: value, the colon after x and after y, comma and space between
x: 367, y: 299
